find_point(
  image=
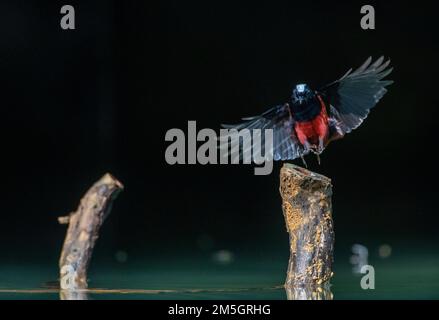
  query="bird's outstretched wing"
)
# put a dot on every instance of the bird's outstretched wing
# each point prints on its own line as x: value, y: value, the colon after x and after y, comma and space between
x: 286, y: 146
x: 353, y: 95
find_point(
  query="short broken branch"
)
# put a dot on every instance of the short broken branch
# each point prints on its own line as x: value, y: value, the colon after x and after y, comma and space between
x: 83, y: 231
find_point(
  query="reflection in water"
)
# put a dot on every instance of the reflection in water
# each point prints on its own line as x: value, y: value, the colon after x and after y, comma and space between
x: 277, y: 292
x: 309, y: 292
x: 73, y: 295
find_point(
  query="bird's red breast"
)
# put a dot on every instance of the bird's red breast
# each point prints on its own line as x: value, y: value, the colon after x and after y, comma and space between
x: 314, y: 129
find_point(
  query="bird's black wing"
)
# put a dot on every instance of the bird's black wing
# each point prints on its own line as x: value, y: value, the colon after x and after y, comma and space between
x: 353, y: 95
x: 286, y: 146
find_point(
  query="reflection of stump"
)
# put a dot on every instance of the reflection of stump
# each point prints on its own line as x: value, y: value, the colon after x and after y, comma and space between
x: 73, y: 295
x: 312, y: 292
x: 83, y: 231
x: 306, y: 203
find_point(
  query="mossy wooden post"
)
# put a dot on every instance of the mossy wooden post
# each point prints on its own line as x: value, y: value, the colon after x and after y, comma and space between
x: 307, y: 208
x: 83, y: 231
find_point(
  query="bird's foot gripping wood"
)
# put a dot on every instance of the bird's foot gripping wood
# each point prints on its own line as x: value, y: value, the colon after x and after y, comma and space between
x: 306, y: 204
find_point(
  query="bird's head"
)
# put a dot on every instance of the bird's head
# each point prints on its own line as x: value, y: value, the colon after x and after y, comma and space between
x: 301, y: 93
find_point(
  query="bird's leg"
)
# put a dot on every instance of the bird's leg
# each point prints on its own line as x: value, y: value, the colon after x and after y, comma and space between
x: 304, y: 162
x: 320, y: 147
x: 318, y: 157
x: 307, y: 147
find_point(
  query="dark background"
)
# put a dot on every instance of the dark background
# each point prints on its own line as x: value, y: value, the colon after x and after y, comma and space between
x: 76, y: 104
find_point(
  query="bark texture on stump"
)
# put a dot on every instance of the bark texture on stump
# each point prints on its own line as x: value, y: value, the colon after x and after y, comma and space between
x: 307, y: 208
x: 83, y: 231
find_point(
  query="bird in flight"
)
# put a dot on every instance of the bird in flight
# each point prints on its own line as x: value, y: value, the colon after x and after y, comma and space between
x: 311, y: 119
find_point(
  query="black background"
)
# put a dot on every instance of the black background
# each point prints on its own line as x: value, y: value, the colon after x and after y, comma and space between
x: 76, y: 104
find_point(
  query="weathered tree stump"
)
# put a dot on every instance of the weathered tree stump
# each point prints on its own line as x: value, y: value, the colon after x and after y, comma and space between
x: 307, y: 208
x: 83, y: 231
